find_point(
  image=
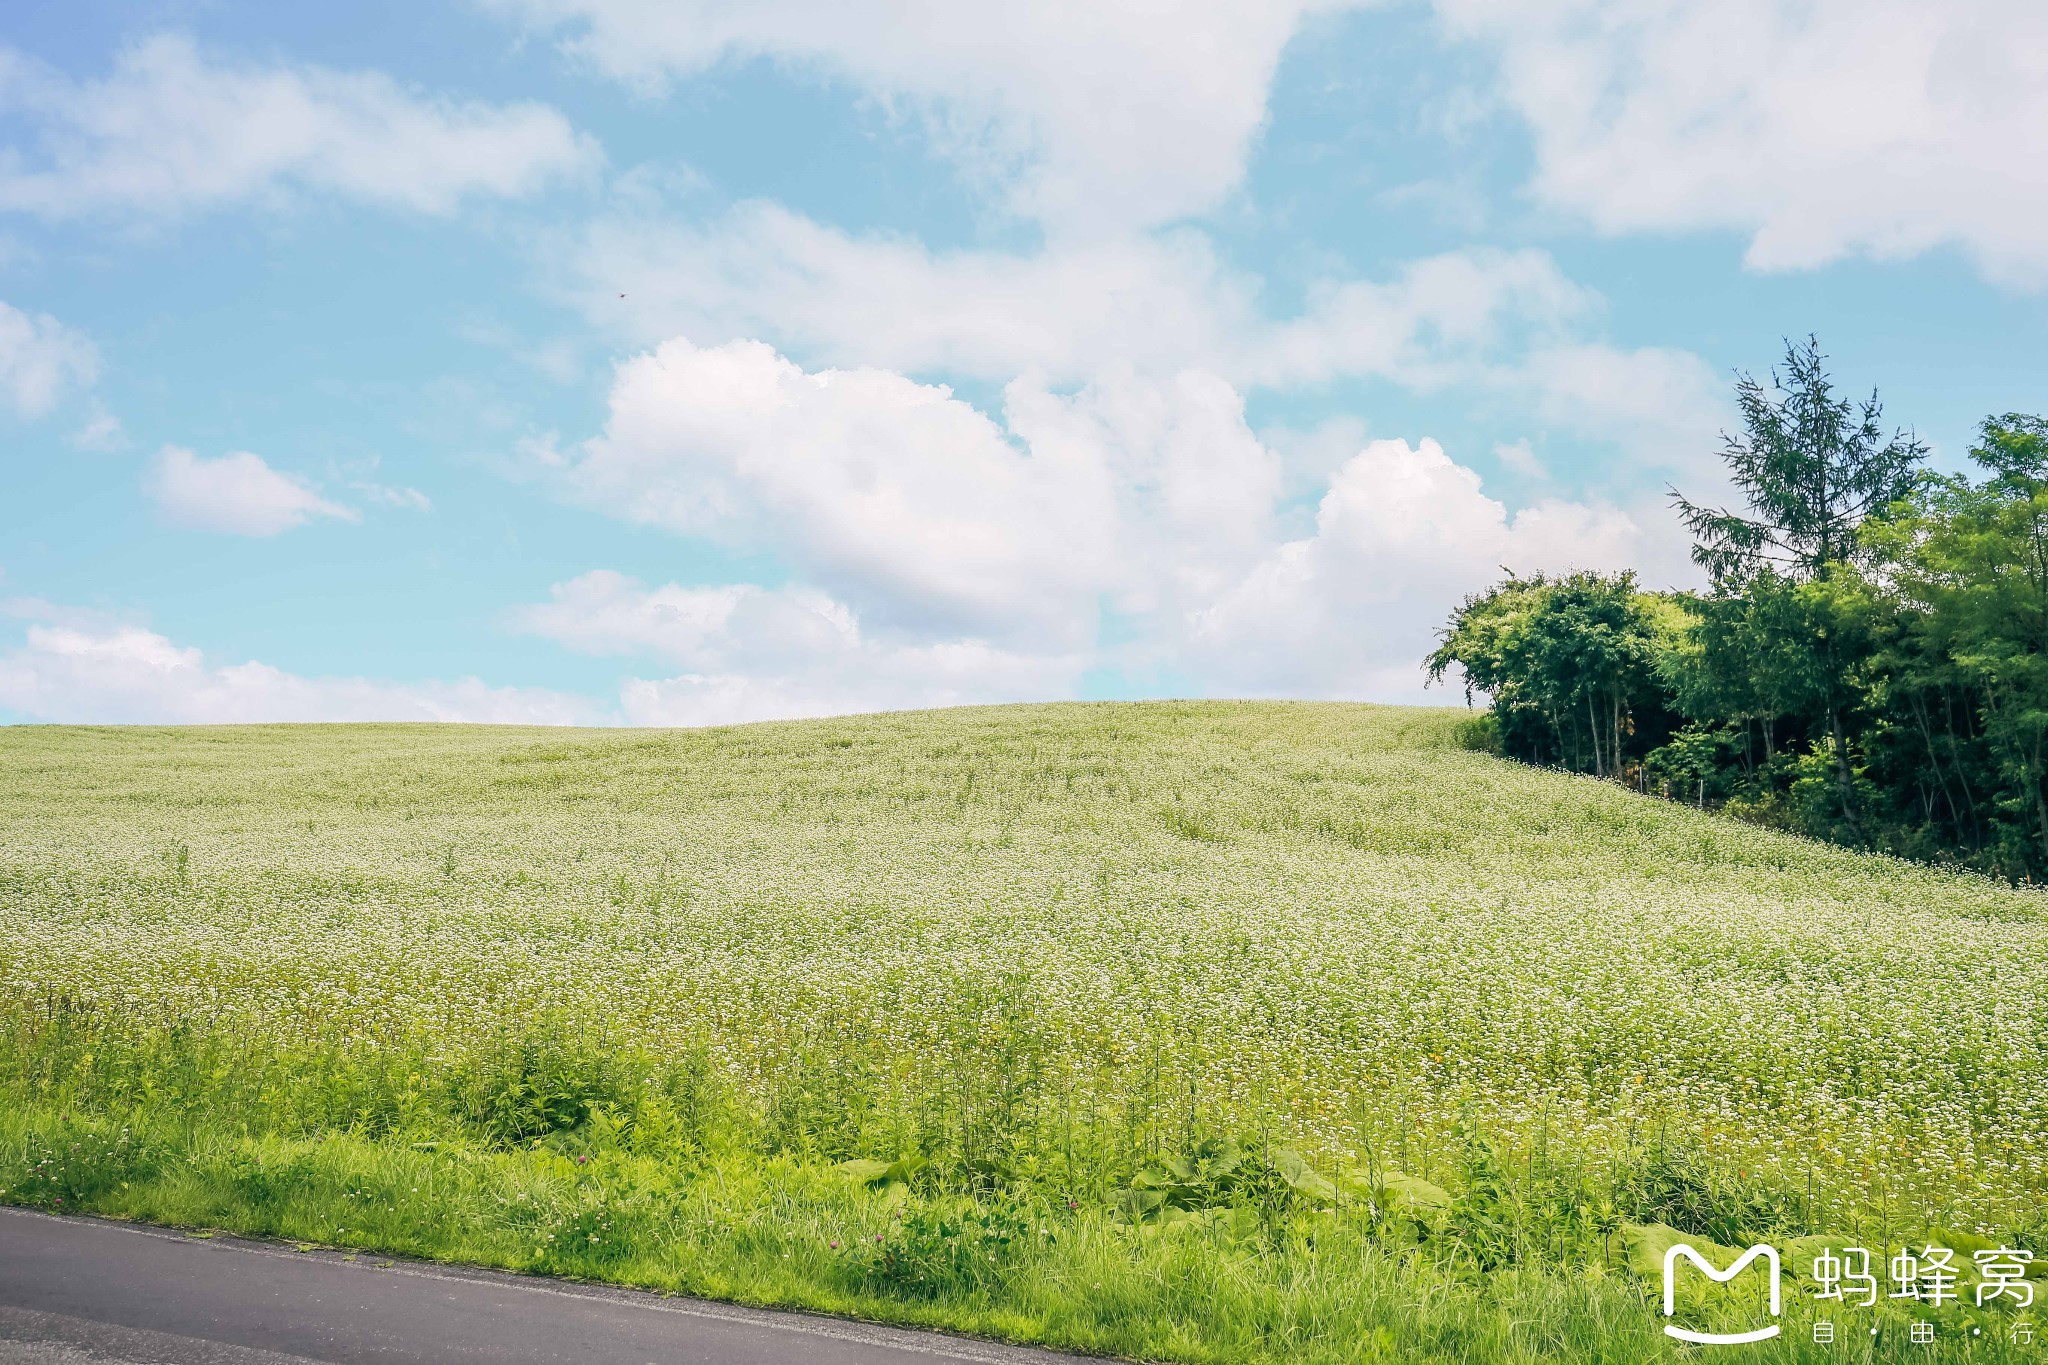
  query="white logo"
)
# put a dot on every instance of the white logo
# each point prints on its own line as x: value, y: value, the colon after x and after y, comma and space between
x: 1770, y: 1255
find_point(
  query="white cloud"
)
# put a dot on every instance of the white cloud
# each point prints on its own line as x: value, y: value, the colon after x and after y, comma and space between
x: 713, y: 629
x: 171, y: 130
x: 1521, y: 458
x: 82, y: 669
x: 1309, y: 456
x: 1191, y: 491
x: 395, y: 495
x: 41, y: 360
x: 932, y: 542
x: 1083, y: 113
x: 754, y: 653
x: 1665, y: 407
x: 1402, y: 534
x: 967, y: 674
x: 102, y: 431
x: 1821, y: 128
x: 1505, y: 326
x: 913, y: 500
x: 922, y: 510
x: 941, y: 557
x: 1158, y: 302
x: 1503, y: 323
x: 237, y: 494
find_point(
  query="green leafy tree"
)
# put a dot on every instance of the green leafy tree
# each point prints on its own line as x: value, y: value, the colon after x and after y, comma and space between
x: 1812, y: 466
x: 1569, y: 662
x: 1970, y: 561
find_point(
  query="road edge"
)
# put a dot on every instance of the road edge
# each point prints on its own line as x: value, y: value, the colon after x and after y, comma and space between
x: 931, y: 1341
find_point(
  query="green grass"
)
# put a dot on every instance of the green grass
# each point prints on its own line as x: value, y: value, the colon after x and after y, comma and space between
x: 622, y: 1004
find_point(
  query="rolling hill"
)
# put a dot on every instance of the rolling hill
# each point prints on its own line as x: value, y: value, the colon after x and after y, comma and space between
x: 685, y: 1007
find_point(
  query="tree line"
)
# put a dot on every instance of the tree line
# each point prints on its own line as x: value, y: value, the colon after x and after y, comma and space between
x: 1869, y: 663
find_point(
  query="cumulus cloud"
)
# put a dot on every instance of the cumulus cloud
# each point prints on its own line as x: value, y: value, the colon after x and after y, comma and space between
x: 170, y: 130
x: 1086, y: 114
x: 1508, y: 325
x: 1820, y: 128
x: 1666, y: 407
x: 83, y: 669
x: 915, y: 501
x: 41, y: 360
x: 713, y: 629
x: 1401, y: 535
x: 1157, y: 302
x: 932, y: 541
x: 923, y: 510
x: 237, y: 494
x: 756, y: 653
x: 1190, y: 491
x: 942, y: 556
x: 903, y: 680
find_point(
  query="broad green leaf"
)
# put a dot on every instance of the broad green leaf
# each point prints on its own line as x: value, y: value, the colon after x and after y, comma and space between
x: 1412, y: 1192
x: 1298, y: 1174
x: 867, y: 1171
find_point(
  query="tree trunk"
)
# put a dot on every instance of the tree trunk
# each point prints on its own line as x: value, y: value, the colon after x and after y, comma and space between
x: 1970, y: 715
x: 1934, y: 758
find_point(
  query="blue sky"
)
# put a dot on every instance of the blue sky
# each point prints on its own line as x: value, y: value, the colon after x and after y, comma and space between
x: 666, y: 362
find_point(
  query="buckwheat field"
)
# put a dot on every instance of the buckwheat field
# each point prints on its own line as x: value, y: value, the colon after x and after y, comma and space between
x: 1199, y: 1031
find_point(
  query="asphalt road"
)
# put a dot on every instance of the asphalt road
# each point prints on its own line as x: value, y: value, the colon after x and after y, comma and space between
x: 77, y: 1290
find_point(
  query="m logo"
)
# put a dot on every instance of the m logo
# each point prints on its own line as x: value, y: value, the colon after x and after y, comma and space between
x: 1770, y: 1255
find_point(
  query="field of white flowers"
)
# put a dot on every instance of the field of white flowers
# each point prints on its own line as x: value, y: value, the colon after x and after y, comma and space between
x: 1029, y: 946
